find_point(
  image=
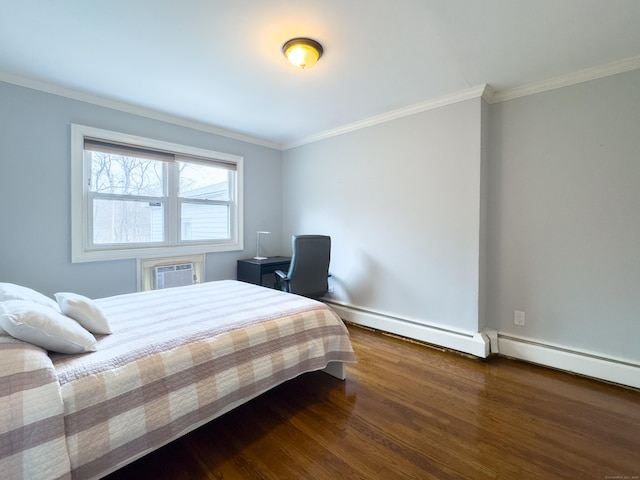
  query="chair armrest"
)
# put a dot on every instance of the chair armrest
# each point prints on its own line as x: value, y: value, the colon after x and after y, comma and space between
x: 282, y: 281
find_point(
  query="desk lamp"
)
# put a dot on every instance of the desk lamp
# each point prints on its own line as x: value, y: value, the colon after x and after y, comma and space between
x: 258, y: 257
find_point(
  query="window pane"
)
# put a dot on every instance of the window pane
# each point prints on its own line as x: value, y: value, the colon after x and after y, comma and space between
x: 204, y: 222
x: 117, y: 174
x: 198, y: 180
x: 125, y: 221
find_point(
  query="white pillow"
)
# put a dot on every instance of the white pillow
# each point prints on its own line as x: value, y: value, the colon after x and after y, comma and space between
x: 11, y: 291
x: 44, y: 327
x: 85, y: 311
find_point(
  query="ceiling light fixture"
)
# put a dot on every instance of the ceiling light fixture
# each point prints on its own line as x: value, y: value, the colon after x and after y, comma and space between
x: 302, y: 52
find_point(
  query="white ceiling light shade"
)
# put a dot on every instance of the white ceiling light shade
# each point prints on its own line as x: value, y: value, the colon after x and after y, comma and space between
x: 302, y: 52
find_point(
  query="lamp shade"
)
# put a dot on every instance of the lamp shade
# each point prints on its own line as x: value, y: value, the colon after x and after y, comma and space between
x: 302, y: 52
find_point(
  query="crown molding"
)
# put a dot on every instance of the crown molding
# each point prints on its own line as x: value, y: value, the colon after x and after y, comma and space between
x: 574, y: 78
x: 484, y: 91
x: 487, y: 93
x: 474, y: 92
x: 133, y: 109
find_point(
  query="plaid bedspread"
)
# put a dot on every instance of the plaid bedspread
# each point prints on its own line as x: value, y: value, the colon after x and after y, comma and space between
x: 32, y: 439
x: 178, y: 358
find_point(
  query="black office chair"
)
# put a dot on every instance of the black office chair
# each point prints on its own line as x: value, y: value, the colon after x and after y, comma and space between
x: 309, y: 269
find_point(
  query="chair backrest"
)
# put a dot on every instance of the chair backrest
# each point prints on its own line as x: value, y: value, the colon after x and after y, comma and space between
x: 309, y: 269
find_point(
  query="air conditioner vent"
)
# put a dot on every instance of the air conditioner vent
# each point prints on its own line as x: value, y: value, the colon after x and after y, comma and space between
x: 167, y: 276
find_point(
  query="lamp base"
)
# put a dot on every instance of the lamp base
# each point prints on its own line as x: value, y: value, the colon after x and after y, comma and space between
x: 259, y: 258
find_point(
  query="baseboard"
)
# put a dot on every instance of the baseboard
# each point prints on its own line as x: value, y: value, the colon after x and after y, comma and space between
x: 472, y: 343
x: 583, y: 363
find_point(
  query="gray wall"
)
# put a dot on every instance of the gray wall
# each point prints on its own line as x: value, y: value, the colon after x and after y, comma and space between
x: 35, y: 244
x: 461, y: 215
x: 564, y: 216
x: 401, y: 201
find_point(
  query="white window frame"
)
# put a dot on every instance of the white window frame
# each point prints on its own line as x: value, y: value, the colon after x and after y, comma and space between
x: 81, y: 216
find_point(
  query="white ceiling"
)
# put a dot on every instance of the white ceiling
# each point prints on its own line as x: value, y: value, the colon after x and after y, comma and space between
x: 219, y: 63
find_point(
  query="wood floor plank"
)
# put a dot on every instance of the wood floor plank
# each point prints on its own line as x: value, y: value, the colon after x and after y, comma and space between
x: 408, y: 411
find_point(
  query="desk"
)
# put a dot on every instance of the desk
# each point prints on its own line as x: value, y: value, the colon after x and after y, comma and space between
x: 252, y: 271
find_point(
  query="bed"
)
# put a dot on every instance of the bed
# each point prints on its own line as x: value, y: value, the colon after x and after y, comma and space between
x: 177, y: 358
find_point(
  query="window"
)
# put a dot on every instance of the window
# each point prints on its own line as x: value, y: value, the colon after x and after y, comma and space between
x: 134, y: 197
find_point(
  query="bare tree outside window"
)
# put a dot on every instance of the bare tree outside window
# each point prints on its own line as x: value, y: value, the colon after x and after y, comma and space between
x: 133, y: 211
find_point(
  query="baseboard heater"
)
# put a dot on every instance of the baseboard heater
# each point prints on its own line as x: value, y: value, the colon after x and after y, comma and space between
x: 167, y: 276
x: 472, y: 343
x: 569, y: 359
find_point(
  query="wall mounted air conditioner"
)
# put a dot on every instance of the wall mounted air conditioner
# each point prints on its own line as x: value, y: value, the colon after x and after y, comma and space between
x: 174, y: 275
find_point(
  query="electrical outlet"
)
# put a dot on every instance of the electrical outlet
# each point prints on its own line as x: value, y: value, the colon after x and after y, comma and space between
x: 518, y: 318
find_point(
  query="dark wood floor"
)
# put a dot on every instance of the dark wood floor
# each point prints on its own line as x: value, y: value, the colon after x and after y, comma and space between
x: 410, y: 411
